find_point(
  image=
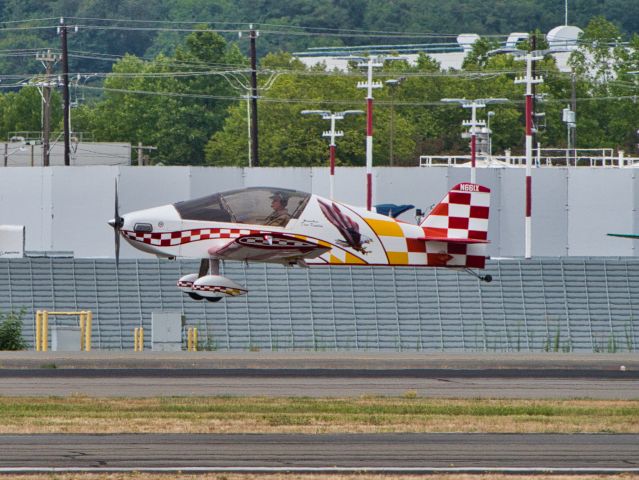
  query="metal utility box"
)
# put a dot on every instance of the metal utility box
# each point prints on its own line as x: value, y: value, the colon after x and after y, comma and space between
x: 166, y: 331
x: 65, y: 338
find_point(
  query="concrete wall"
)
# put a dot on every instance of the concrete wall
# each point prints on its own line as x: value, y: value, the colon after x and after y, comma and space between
x: 66, y: 208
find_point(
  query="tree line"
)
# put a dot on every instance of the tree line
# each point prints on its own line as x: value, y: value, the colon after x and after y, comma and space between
x: 191, y: 104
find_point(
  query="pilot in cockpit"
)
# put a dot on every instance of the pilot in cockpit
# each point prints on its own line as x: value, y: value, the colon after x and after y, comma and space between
x: 280, y: 216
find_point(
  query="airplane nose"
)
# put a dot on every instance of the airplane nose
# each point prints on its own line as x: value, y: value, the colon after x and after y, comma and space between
x: 112, y: 222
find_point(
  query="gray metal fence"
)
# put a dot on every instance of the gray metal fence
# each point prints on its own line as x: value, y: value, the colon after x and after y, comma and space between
x: 545, y: 304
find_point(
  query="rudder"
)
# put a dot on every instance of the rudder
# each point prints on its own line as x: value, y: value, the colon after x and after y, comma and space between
x: 456, y: 230
x: 462, y: 214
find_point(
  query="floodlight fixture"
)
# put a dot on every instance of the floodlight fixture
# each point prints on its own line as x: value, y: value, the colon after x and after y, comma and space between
x: 332, y: 134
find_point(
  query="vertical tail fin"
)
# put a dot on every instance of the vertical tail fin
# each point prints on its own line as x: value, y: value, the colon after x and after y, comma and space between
x: 462, y: 214
x: 456, y: 230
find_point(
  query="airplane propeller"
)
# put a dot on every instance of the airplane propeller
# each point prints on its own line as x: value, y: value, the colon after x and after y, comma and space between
x: 117, y: 222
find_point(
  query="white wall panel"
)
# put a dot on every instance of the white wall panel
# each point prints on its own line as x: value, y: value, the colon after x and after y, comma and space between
x: 66, y: 208
x: 600, y: 202
x: 350, y: 184
x: 549, y: 212
x: 206, y: 181
x: 81, y: 209
x: 294, y: 178
x: 25, y: 199
x: 510, y: 209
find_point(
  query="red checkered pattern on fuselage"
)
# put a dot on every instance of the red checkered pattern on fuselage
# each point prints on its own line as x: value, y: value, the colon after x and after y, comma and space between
x: 171, y: 239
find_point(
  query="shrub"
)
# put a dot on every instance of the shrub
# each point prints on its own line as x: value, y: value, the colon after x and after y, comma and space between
x: 11, y: 331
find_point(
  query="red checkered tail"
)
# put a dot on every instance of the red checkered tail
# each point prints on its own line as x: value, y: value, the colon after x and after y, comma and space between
x: 457, y: 228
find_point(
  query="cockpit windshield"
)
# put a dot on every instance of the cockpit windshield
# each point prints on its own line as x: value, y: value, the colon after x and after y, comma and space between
x: 256, y: 205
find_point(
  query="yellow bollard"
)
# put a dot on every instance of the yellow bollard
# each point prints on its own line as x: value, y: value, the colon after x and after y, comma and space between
x: 45, y: 331
x: 191, y: 339
x: 138, y: 339
x: 85, y: 323
x: 87, y: 330
x: 38, y: 330
x: 195, y: 339
x: 82, y: 327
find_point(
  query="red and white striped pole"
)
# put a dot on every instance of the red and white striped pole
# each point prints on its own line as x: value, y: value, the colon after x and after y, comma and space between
x: 331, y: 148
x: 473, y: 142
x: 369, y: 85
x: 529, y: 80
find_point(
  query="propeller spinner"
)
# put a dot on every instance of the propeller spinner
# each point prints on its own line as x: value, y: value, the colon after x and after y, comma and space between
x: 117, y: 222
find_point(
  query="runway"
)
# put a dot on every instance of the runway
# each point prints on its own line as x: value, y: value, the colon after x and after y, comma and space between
x: 322, y: 383
x: 394, y: 452
x: 325, y: 376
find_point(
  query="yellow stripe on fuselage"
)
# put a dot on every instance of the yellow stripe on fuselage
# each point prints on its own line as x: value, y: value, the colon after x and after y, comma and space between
x: 385, y: 228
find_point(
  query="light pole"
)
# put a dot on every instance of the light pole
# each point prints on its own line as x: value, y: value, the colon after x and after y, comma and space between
x: 369, y: 85
x: 393, y: 84
x: 474, y: 124
x: 490, y: 135
x: 332, y: 134
x: 371, y: 62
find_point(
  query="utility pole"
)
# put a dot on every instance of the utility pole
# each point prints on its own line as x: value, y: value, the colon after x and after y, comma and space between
x: 141, y: 148
x: 529, y: 80
x: 65, y: 91
x: 332, y: 134
x: 255, y: 160
x: 48, y: 60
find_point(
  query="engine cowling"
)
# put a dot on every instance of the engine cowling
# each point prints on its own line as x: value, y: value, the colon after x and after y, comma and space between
x: 217, y: 286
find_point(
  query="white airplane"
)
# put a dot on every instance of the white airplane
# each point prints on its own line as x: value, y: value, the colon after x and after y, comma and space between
x: 275, y: 225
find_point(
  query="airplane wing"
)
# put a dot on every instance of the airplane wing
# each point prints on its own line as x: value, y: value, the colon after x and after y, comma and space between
x: 269, y: 247
x: 623, y: 235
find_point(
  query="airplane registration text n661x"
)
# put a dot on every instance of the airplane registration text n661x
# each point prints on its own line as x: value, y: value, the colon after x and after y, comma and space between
x: 276, y: 225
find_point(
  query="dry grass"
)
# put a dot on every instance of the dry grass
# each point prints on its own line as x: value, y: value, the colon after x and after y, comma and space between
x: 79, y: 414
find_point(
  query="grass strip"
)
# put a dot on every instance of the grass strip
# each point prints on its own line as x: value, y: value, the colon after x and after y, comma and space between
x: 81, y: 414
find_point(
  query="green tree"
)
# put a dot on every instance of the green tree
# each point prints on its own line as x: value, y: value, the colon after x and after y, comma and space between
x: 158, y: 104
x: 21, y: 111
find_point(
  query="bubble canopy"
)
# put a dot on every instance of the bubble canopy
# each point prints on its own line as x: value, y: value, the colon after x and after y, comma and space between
x: 251, y: 205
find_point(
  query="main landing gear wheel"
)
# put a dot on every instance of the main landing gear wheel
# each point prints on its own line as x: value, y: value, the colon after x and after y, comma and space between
x: 214, y: 299
x: 195, y: 296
